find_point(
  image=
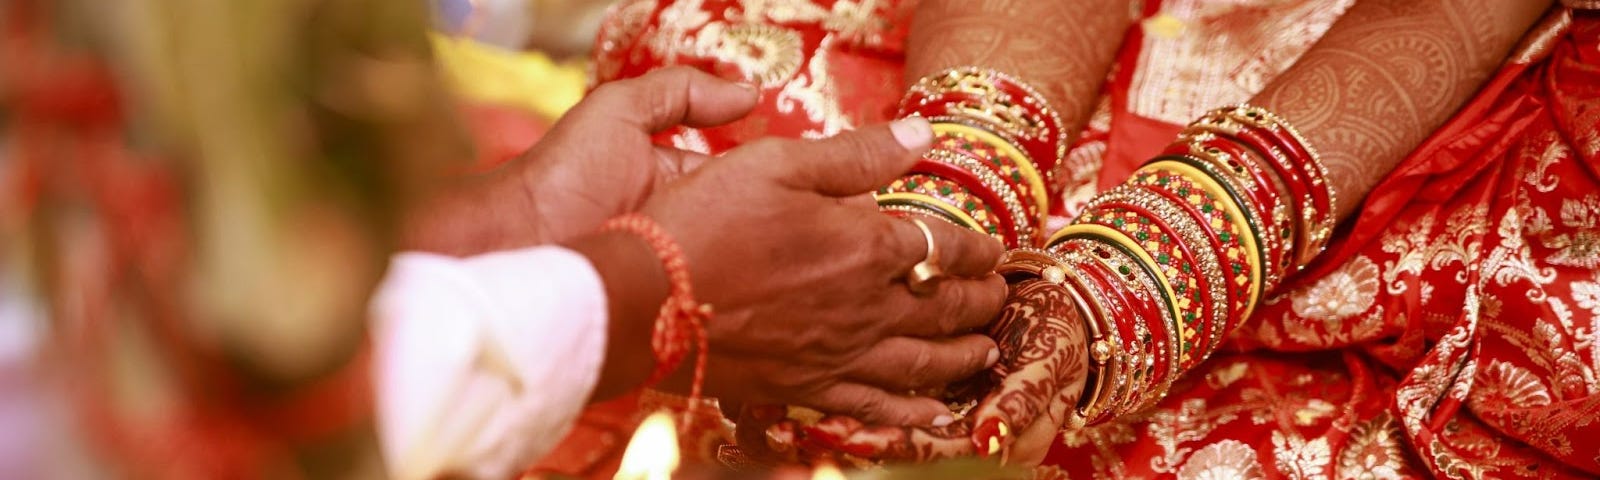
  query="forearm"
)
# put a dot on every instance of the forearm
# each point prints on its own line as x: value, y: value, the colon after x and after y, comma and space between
x: 1063, y: 48
x: 473, y: 215
x: 1387, y: 75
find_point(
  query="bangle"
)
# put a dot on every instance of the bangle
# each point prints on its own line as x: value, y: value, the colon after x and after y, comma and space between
x: 1031, y: 181
x: 1230, y: 204
x: 681, y: 316
x: 938, y: 184
x: 999, y: 101
x: 1103, y: 355
x: 1012, y: 218
x: 929, y: 205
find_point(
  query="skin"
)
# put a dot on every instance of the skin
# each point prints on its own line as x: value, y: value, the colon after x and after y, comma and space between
x: 804, y: 314
x: 1387, y: 75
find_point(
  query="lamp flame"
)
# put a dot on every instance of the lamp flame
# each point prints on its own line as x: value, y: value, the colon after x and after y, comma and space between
x: 652, y: 453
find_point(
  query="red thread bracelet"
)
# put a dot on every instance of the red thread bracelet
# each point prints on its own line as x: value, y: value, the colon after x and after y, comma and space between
x: 681, y: 316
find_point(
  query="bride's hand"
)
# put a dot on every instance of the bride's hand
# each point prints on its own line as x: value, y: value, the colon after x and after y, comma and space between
x: 1042, y: 368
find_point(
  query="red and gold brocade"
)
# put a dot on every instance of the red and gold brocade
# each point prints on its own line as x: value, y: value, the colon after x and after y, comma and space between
x: 1453, y: 328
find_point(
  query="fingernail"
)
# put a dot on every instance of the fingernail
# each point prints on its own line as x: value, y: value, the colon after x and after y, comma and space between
x: 988, y: 436
x: 913, y: 133
x: 943, y: 420
x: 994, y: 357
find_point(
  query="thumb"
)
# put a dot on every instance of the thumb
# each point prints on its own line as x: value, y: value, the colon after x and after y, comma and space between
x: 671, y: 97
x: 857, y: 162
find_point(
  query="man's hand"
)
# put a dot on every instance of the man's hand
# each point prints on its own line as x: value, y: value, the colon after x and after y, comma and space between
x: 1042, y: 370
x: 596, y: 163
x: 810, y: 293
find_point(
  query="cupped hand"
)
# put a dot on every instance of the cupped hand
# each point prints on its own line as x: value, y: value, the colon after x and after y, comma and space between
x: 597, y: 162
x: 810, y: 294
x: 1041, y: 373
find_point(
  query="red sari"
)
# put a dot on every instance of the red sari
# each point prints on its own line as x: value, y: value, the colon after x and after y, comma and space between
x: 1452, y: 329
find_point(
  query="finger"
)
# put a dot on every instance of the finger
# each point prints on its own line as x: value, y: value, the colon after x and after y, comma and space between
x: 1022, y: 398
x: 853, y: 163
x: 670, y: 97
x: 874, y: 405
x: 961, y: 252
x: 905, y: 363
x: 887, y: 443
x: 956, y: 306
x: 1034, y: 442
x: 672, y: 164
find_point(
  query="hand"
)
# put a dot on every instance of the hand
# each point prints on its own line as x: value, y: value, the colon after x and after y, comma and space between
x: 597, y: 162
x: 1043, y: 364
x: 809, y: 291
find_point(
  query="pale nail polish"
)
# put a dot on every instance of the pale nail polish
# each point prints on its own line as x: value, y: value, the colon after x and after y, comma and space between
x: 913, y: 133
x: 943, y: 420
x: 994, y: 356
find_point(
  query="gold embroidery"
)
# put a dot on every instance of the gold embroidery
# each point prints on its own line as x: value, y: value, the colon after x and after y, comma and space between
x: 767, y: 54
x: 814, y: 92
x: 1297, y: 458
x: 1342, y: 294
x: 1539, y: 177
x: 1581, y: 247
x: 1224, y: 460
x: 1374, y: 451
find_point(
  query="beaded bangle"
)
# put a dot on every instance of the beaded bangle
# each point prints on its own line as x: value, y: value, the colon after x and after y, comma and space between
x: 1032, y: 182
x: 1231, y: 204
x: 681, y: 317
x: 929, y: 205
x: 1206, y: 279
x: 1220, y: 228
x: 1146, y: 331
x: 953, y: 193
x: 1012, y: 217
x: 1246, y: 176
x: 1004, y: 168
x: 996, y: 99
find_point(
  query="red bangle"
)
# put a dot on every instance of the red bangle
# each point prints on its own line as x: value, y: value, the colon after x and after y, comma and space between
x: 681, y: 324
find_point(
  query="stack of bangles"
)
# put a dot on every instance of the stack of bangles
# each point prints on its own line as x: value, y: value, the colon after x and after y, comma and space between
x: 1163, y: 266
x: 996, y: 144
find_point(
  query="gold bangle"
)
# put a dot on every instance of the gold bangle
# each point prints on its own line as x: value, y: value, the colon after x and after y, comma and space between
x: 1103, y: 357
x: 1115, y: 236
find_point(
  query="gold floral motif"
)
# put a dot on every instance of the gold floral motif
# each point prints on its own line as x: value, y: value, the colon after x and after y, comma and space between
x: 1540, y: 178
x: 770, y: 55
x: 1579, y: 246
x: 1172, y: 428
x: 1346, y: 292
x: 1224, y: 460
x: 814, y: 91
x: 1298, y: 458
x: 1374, y: 451
x: 1505, y: 385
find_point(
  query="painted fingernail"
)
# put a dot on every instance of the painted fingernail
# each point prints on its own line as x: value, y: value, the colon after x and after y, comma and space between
x: 943, y: 420
x: 913, y: 133
x: 989, y: 436
x: 994, y: 356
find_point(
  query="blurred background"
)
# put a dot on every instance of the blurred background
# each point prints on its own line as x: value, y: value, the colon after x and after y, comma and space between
x: 196, y: 197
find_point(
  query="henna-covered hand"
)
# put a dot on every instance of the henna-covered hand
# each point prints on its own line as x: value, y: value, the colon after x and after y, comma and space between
x: 1024, y: 398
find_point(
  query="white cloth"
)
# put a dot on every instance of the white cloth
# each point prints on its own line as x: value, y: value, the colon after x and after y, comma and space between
x: 483, y: 363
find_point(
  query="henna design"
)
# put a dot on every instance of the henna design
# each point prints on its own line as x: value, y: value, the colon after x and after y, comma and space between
x: 1387, y: 75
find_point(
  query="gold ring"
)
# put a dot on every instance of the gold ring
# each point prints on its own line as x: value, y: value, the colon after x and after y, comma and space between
x: 925, y: 275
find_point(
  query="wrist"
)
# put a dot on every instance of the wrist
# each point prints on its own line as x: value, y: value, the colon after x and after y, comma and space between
x: 635, y: 287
